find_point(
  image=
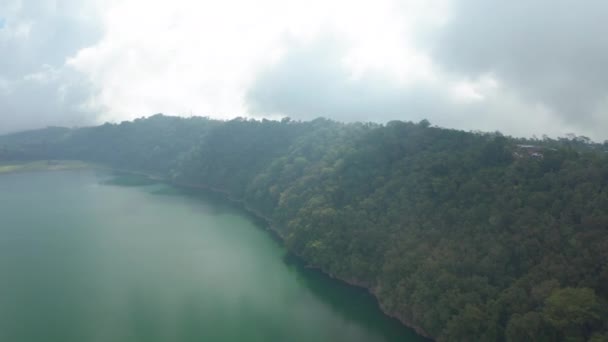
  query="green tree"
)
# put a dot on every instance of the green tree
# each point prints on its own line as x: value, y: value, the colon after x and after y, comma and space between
x: 573, y: 312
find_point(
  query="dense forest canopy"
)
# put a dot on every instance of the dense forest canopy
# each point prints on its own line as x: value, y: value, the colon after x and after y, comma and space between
x: 466, y: 236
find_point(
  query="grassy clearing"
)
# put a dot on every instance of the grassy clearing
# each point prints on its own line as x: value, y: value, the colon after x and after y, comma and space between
x: 42, y: 165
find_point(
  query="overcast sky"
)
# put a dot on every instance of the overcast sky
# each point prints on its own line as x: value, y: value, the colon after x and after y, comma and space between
x: 521, y: 67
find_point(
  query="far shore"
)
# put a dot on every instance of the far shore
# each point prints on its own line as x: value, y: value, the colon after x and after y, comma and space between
x: 42, y: 165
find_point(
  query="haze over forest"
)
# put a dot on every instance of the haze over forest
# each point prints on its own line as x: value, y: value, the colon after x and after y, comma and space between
x: 519, y: 67
x: 450, y: 157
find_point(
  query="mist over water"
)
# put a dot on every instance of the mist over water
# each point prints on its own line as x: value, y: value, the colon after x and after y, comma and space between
x: 83, y: 258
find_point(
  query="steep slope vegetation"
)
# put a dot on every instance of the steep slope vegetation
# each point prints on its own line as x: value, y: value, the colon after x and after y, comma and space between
x: 467, y: 237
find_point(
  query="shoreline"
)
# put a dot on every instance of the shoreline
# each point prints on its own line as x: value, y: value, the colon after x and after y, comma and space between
x: 270, y: 227
x: 43, y: 165
x: 66, y: 165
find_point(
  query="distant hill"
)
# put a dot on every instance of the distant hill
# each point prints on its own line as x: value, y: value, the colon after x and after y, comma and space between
x: 45, y: 135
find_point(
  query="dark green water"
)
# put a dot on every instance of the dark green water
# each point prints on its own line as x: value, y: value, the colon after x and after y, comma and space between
x: 83, y: 259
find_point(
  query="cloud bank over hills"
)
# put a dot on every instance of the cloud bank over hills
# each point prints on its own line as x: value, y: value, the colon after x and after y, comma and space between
x: 519, y: 67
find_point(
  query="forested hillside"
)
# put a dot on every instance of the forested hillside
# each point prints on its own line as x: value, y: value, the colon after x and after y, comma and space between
x: 465, y: 236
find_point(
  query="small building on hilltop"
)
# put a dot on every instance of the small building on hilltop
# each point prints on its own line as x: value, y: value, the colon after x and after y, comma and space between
x: 530, y: 151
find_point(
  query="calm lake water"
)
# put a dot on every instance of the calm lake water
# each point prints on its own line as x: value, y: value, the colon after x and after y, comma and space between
x: 83, y: 258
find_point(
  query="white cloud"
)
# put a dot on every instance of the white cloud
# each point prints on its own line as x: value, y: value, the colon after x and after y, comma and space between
x: 547, y: 52
x: 468, y: 91
x: 457, y: 62
x: 202, y: 56
x: 36, y: 88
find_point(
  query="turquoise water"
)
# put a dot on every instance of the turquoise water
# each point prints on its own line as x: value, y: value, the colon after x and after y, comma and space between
x: 83, y: 258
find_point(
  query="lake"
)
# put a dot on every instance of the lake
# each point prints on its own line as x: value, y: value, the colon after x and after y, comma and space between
x: 88, y: 256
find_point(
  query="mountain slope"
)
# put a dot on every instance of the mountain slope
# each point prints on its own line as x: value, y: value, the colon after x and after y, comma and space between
x: 464, y: 236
